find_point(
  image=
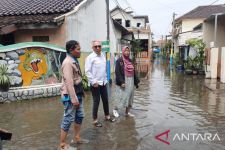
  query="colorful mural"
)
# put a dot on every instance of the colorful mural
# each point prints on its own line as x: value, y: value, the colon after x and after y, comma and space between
x: 39, y: 66
x: 33, y: 65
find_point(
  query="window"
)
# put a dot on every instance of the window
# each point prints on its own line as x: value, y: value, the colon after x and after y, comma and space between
x: 127, y: 23
x: 40, y: 38
x: 138, y: 24
x: 119, y: 21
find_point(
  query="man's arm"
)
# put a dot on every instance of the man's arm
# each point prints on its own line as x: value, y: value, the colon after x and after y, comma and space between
x: 88, y: 71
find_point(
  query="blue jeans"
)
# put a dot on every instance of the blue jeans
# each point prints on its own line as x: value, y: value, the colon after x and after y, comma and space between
x: 71, y: 114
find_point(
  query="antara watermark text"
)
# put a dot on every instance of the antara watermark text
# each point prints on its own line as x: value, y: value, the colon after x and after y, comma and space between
x: 165, y: 137
x: 196, y: 137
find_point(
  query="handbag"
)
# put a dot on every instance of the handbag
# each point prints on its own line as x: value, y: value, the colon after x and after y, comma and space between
x: 79, y: 89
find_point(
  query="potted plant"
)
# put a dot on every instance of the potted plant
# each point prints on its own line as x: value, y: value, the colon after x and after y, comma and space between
x: 199, y: 45
x: 4, y: 78
x: 195, y: 65
x: 187, y: 66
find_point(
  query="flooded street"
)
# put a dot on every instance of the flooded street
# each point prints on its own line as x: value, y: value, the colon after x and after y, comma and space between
x: 166, y: 100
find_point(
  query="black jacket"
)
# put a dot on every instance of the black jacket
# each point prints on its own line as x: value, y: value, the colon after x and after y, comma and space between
x: 120, y: 75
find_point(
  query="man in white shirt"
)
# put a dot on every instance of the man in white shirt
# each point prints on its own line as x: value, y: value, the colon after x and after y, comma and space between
x: 95, y: 69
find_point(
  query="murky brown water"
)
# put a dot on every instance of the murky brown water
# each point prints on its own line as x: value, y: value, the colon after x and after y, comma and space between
x: 166, y: 100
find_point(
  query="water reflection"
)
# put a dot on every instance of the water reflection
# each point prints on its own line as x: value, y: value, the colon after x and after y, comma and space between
x: 165, y: 100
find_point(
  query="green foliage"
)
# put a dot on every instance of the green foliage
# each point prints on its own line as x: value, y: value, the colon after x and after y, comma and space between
x: 176, y: 59
x: 136, y: 47
x: 85, y: 83
x: 4, y: 78
x: 199, y: 45
x: 168, y: 45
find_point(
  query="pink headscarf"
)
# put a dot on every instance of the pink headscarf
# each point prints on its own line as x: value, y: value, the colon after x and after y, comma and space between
x: 128, y: 66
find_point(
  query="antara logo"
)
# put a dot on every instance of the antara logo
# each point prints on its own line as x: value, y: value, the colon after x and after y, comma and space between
x: 164, y: 137
x: 158, y: 137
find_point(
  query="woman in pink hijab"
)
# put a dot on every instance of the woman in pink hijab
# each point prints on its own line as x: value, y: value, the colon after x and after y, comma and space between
x: 126, y: 79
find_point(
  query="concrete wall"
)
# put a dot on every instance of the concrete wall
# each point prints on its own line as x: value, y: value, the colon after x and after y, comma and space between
x: 142, y: 36
x: 189, y: 24
x: 183, y: 37
x: 56, y: 36
x: 208, y: 33
x: 222, y: 73
x: 31, y: 93
x: 139, y: 20
x: 89, y: 24
x: 221, y: 32
x: 208, y: 30
x: 122, y: 15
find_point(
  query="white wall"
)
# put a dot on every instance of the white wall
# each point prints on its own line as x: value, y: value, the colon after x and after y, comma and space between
x: 221, y: 32
x: 141, y: 36
x: 208, y: 33
x: 139, y: 20
x: 185, y: 36
x: 122, y: 15
x: 88, y: 24
x: 189, y: 24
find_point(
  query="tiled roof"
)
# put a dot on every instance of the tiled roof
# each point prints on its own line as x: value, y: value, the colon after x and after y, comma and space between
x: 203, y: 12
x: 33, y: 11
x: 25, y: 19
x: 34, y: 7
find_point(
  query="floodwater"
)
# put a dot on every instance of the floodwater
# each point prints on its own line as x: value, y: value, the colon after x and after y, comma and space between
x: 165, y: 101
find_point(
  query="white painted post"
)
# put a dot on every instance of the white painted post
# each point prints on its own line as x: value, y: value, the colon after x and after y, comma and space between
x: 222, y: 75
x: 214, y: 62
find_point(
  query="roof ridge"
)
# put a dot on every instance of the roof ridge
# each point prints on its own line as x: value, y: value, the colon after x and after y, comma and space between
x: 203, y: 11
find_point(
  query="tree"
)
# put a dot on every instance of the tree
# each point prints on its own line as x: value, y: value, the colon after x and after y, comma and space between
x: 136, y: 47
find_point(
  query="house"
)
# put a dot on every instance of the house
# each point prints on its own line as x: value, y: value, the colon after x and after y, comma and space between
x: 124, y: 36
x: 214, y: 37
x: 55, y: 22
x: 136, y: 24
x: 191, y: 25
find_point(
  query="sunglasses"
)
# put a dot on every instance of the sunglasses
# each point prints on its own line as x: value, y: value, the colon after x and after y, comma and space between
x: 97, y: 46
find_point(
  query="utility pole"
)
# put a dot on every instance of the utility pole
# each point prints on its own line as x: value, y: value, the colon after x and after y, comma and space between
x: 173, y: 30
x: 107, y: 18
x: 108, y: 42
x: 173, y: 39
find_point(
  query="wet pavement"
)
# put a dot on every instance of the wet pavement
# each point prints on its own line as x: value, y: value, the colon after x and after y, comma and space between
x: 165, y: 101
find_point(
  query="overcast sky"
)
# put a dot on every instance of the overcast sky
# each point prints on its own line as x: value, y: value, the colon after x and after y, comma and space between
x: 160, y: 11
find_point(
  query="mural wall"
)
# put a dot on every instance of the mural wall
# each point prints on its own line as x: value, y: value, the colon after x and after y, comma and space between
x: 33, y: 66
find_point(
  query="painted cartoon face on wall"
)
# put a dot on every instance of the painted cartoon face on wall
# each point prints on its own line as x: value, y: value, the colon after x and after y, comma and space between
x: 32, y: 61
x: 33, y: 66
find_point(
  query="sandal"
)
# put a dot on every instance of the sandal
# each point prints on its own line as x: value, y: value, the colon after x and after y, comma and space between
x: 97, y: 124
x: 110, y: 119
x: 80, y: 141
